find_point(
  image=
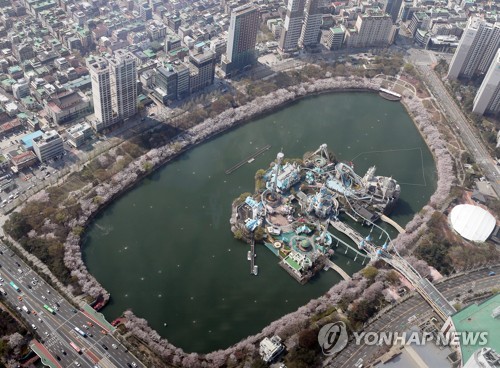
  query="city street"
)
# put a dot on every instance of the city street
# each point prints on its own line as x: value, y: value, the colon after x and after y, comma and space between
x: 454, y: 114
x: 57, y: 330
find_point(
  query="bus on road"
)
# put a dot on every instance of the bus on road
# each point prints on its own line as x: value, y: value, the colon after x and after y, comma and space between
x: 49, y: 309
x: 77, y: 349
x: 80, y: 332
x: 14, y: 286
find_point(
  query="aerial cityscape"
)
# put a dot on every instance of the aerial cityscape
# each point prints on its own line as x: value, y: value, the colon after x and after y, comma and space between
x: 287, y: 184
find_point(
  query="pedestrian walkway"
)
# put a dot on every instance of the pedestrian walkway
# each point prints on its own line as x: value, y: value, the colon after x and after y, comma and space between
x: 47, y: 359
x: 393, y: 223
x: 339, y: 270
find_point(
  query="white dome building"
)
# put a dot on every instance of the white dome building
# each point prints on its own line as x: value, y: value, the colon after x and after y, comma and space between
x: 472, y: 222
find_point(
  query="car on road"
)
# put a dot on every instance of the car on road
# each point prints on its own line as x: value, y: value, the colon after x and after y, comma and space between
x: 492, y: 273
x: 78, y: 364
x: 104, y: 347
x: 33, y: 325
x: 114, y: 346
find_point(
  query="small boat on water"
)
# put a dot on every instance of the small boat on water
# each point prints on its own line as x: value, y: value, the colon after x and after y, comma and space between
x: 249, y: 255
x: 255, y: 270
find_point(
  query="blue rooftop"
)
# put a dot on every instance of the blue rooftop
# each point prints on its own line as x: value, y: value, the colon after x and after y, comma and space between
x: 27, y: 140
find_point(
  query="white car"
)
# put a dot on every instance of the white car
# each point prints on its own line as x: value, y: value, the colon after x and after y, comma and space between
x: 33, y: 325
x: 114, y: 346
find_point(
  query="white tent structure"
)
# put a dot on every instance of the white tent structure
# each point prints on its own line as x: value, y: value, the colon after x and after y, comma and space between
x: 472, y: 222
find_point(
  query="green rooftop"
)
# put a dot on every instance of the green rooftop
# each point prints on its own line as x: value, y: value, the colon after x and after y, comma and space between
x: 337, y: 30
x: 292, y: 263
x: 478, y: 317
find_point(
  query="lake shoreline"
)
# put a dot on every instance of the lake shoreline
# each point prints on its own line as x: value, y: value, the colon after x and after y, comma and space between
x: 214, y: 127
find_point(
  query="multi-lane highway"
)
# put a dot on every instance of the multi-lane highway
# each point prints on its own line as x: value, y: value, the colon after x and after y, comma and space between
x: 94, y: 346
x: 405, y: 314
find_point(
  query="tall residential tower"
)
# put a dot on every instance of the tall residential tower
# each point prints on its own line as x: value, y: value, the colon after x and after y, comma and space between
x: 312, y: 23
x: 114, y: 88
x: 476, y: 49
x: 243, y: 28
x: 123, y: 83
x: 487, y: 99
x: 292, y: 28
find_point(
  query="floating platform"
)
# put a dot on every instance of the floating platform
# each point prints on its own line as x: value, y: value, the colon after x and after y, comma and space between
x: 389, y: 95
x: 249, y: 159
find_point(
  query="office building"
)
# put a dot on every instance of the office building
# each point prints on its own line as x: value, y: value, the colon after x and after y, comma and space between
x: 336, y: 37
x: 114, y: 88
x: 242, y: 37
x: 483, y: 358
x: 419, y: 20
x: 476, y: 49
x: 202, y: 69
x: 487, y: 99
x: 483, y: 316
x: 292, y: 27
x: 312, y: 23
x: 48, y: 146
x: 166, y: 83
x: 372, y: 29
x: 78, y: 133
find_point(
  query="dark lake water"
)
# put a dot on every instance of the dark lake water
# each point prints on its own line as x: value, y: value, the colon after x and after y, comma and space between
x: 165, y: 248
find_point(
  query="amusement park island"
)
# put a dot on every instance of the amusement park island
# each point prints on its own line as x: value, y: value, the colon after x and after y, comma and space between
x: 297, y: 201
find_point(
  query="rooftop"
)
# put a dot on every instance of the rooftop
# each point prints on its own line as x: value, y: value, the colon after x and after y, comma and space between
x: 479, y: 317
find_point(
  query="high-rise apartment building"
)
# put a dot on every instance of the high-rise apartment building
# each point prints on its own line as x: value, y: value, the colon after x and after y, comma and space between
x: 292, y: 27
x: 312, y: 23
x: 487, y: 99
x: 114, y: 88
x: 101, y: 91
x: 243, y: 28
x: 123, y: 79
x: 476, y: 49
x: 393, y: 8
x: 374, y: 28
